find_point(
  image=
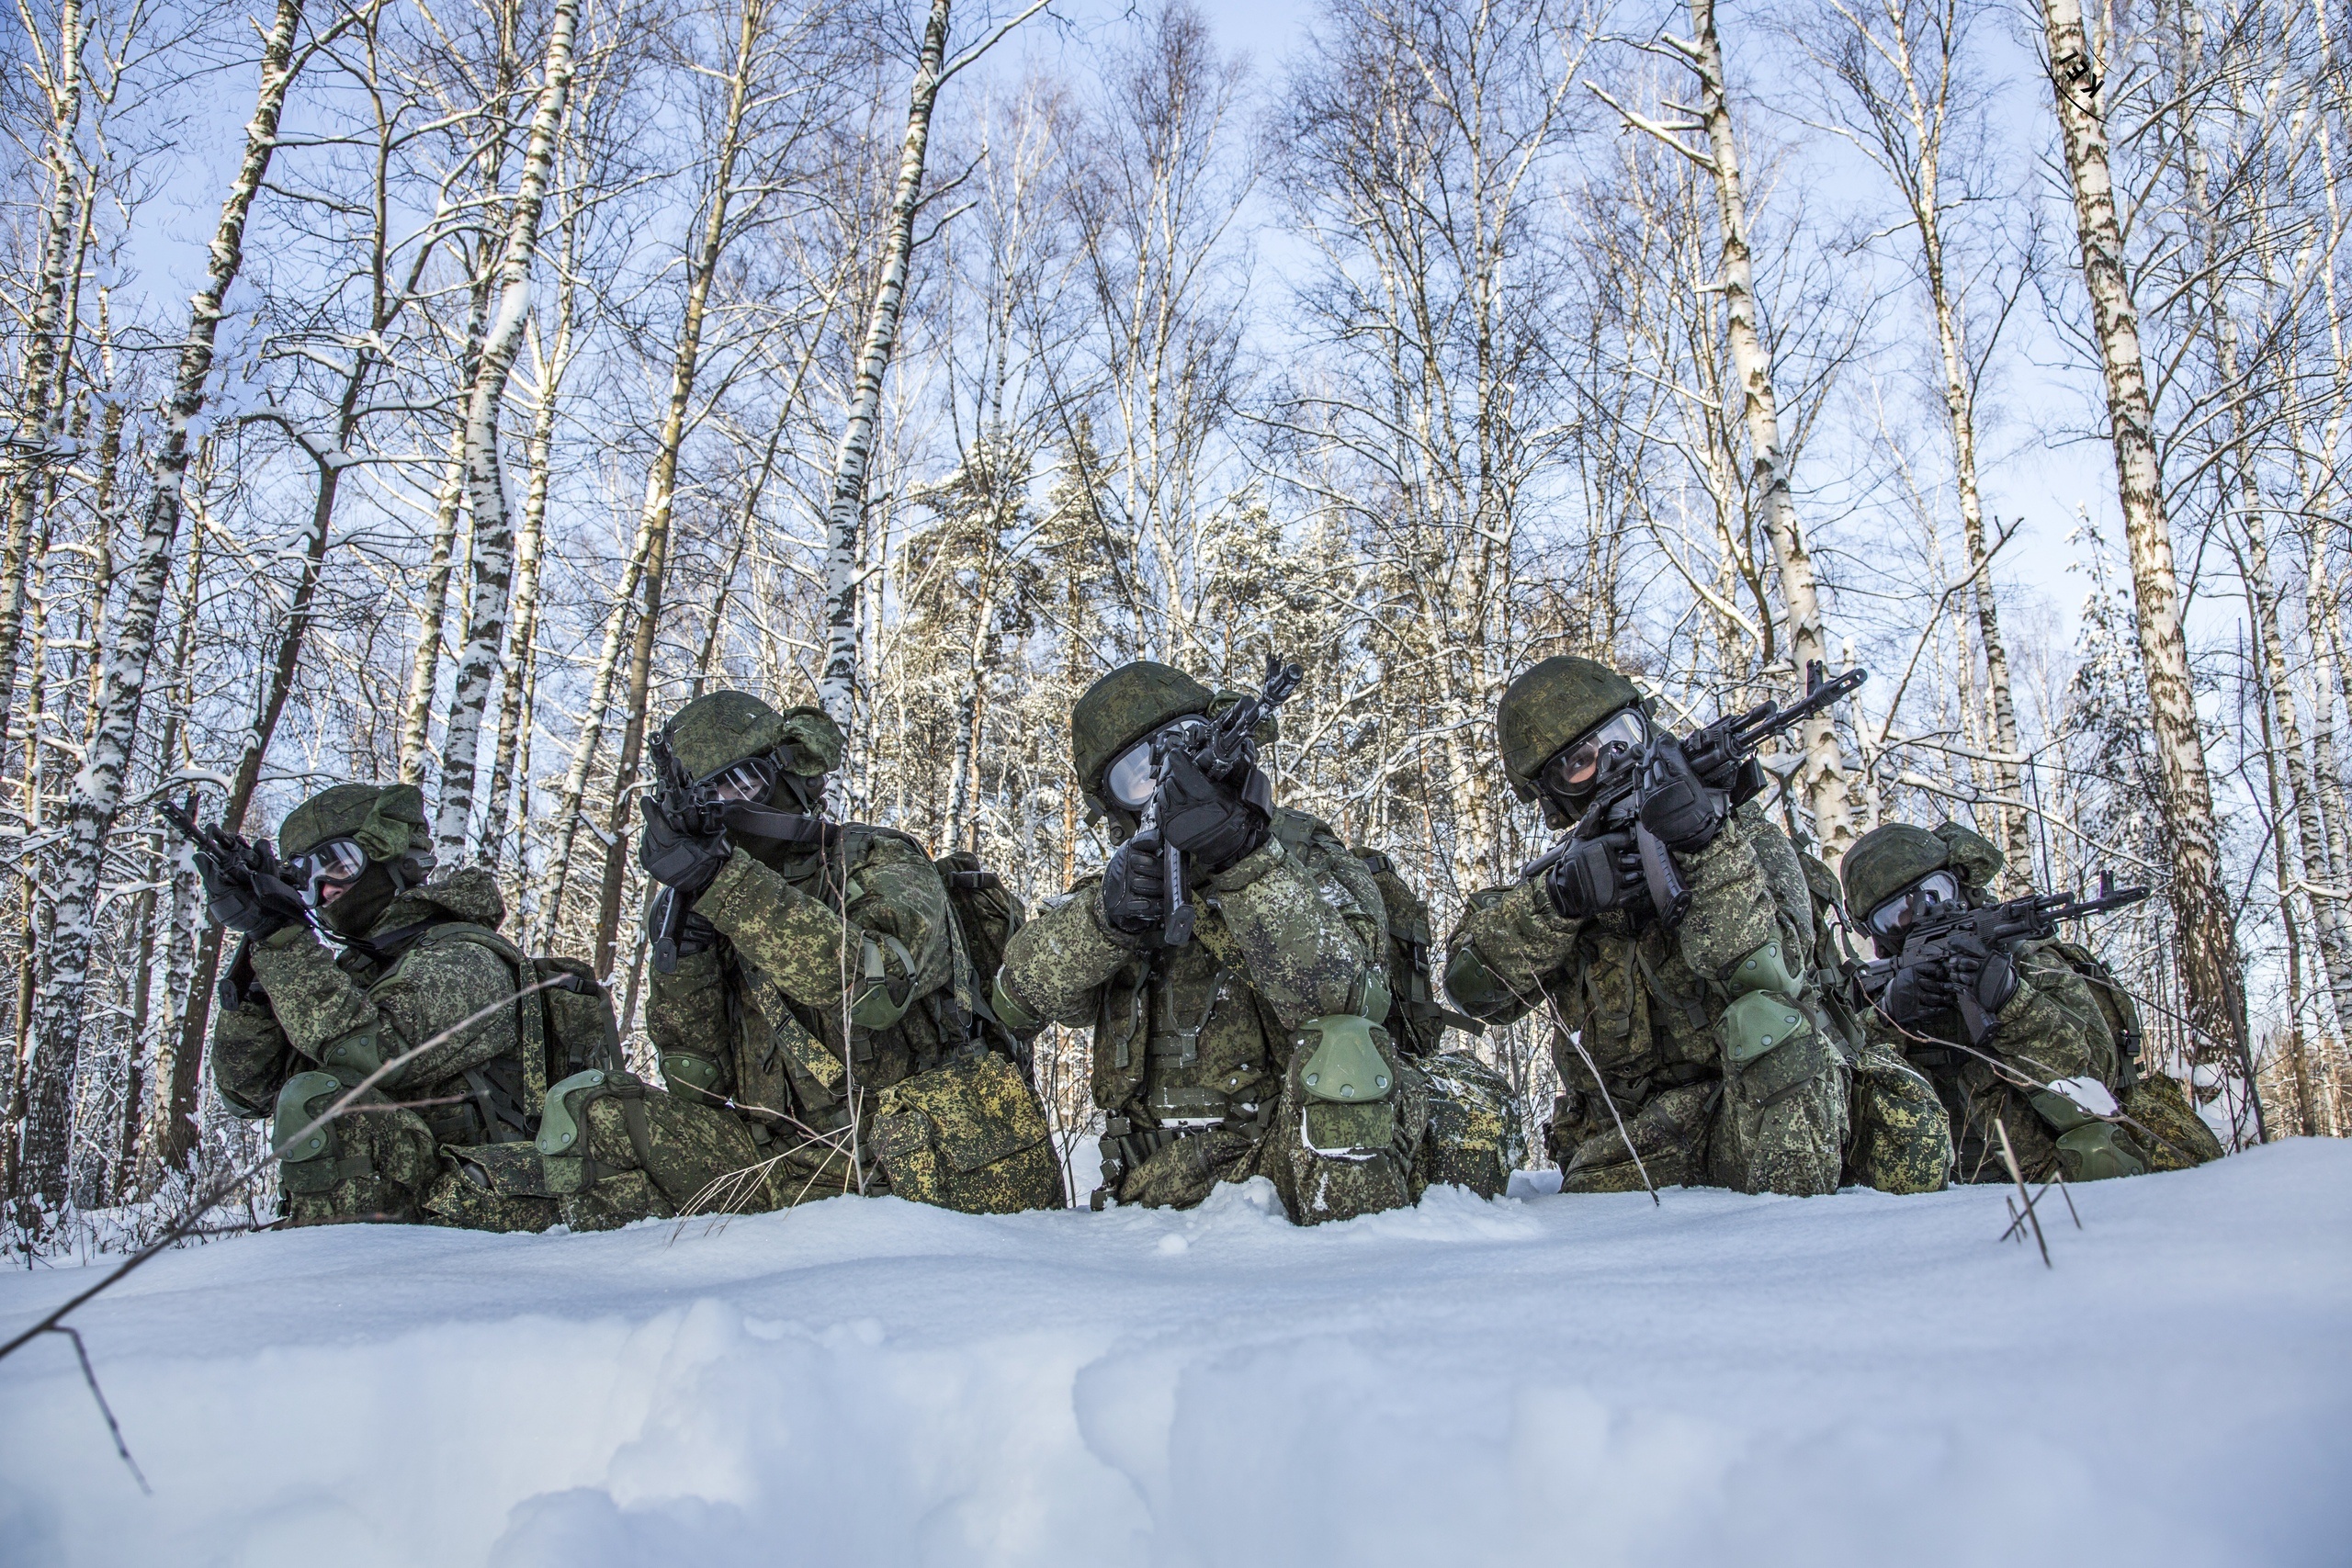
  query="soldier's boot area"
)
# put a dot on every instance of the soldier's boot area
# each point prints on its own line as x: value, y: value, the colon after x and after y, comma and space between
x: 373, y: 1162
x: 2178, y: 1138
x: 1167, y: 1170
x: 616, y: 1149
x: 1902, y: 1139
x: 1669, y: 1131
x: 971, y: 1137
x: 1780, y: 1126
x: 1473, y: 1138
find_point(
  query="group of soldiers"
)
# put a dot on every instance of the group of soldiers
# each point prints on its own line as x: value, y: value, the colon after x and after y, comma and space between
x: 836, y: 1012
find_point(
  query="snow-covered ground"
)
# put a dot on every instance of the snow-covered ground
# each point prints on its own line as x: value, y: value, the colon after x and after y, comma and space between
x: 1546, y: 1381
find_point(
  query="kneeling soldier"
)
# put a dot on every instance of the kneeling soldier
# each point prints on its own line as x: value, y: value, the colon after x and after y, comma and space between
x: 1706, y: 1035
x: 809, y: 977
x: 2057, y: 1050
x: 445, y: 1137
x: 1254, y: 1046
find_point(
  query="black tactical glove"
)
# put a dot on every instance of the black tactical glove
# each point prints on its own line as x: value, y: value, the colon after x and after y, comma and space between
x: 1717, y: 765
x: 1987, y: 970
x: 1595, y: 875
x: 1209, y: 821
x: 1134, y: 886
x: 1681, y: 810
x: 1916, y: 991
x: 683, y: 857
x: 250, y: 898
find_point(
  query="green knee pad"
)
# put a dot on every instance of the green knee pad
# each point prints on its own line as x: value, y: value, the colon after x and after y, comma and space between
x: 1346, y: 1066
x: 2093, y: 1153
x: 315, y: 1162
x: 1771, y: 1046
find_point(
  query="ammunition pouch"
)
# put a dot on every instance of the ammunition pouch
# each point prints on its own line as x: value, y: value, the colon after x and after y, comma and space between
x: 971, y: 1137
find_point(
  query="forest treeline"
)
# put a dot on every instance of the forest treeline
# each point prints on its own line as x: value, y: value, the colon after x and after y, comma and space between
x: 447, y: 391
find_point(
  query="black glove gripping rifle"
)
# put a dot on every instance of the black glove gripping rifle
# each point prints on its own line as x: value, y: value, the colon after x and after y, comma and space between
x: 1226, y: 757
x: 1734, y: 739
x: 697, y: 812
x: 231, y: 866
x: 1934, y: 936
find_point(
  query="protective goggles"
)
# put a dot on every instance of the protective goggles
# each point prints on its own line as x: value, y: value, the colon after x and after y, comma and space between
x: 1129, y: 779
x: 1574, y: 767
x: 1915, y: 903
x: 749, y: 780
x: 326, y: 872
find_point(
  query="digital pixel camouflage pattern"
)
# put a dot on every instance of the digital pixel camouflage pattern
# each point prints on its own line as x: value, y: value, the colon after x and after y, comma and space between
x: 299, y: 1025
x: 2068, y: 1019
x: 838, y: 994
x: 1200, y: 1052
x: 1898, y: 1138
x: 1473, y: 1137
x: 1648, y: 1006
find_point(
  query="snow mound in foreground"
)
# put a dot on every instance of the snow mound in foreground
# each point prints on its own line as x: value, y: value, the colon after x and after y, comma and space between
x: 1585, y: 1381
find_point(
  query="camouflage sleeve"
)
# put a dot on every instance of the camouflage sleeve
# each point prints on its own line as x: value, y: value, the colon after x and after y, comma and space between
x: 433, y: 988
x: 687, y: 1010
x: 2052, y: 1028
x: 896, y: 900
x: 1304, y: 939
x: 250, y: 1056
x: 1056, y: 965
x: 1507, y: 942
x: 1733, y: 908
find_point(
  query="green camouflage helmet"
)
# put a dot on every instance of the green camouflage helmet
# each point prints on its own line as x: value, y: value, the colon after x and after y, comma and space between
x: 721, y: 728
x: 1122, y: 708
x: 1551, y: 705
x: 1886, y: 859
x: 387, y: 820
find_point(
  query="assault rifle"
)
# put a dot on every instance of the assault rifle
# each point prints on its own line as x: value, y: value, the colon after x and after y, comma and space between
x: 1617, y: 806
x: 1227, y: 751
x: 235, y: 865
x: 2000, y: 927
x: 697, y: 809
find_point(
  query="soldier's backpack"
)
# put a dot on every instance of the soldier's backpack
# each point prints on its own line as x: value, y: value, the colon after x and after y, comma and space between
x: 1416, y: 1020
x: 986, y: 915
x: 568, y: 1026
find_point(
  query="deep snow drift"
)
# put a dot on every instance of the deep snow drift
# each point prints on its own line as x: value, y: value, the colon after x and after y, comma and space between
x: 1569, y: 1380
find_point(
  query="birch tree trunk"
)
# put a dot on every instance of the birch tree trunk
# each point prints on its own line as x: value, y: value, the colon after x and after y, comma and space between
x: 2206, y: 934
x: 35, y: 401
x: 530, y: 549
x: 653, y: 522
x: 416, y: 715
x: 96, y: 794
x: 837, y: 685
x: 494, y: 551
x: 1823, y: 777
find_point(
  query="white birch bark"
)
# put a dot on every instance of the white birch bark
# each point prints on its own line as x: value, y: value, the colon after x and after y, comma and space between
x: 493, y: 517
x: 1822, y: 779
x: 35, y: 408
x: 837, y: 684
x: 96, y: 794
x: 2206, y: 933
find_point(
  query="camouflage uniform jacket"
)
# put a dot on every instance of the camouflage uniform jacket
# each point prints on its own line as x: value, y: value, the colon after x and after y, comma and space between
x: 1292, y: 932
x: 759, y: 1017
x: 291, y: 1005
x: 1643, y: 999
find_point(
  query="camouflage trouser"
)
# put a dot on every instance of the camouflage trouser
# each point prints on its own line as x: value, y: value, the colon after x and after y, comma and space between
x: 1902, y: 1139
x: 2179, y: 1137
x: 1983, y: 1106
x: 616, y: 1149
x: 969, y: 1136
x: 1788, y: 1139
x: 376, y: 1162
x: 1328, y: 1161
x: 1474, y: 1138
